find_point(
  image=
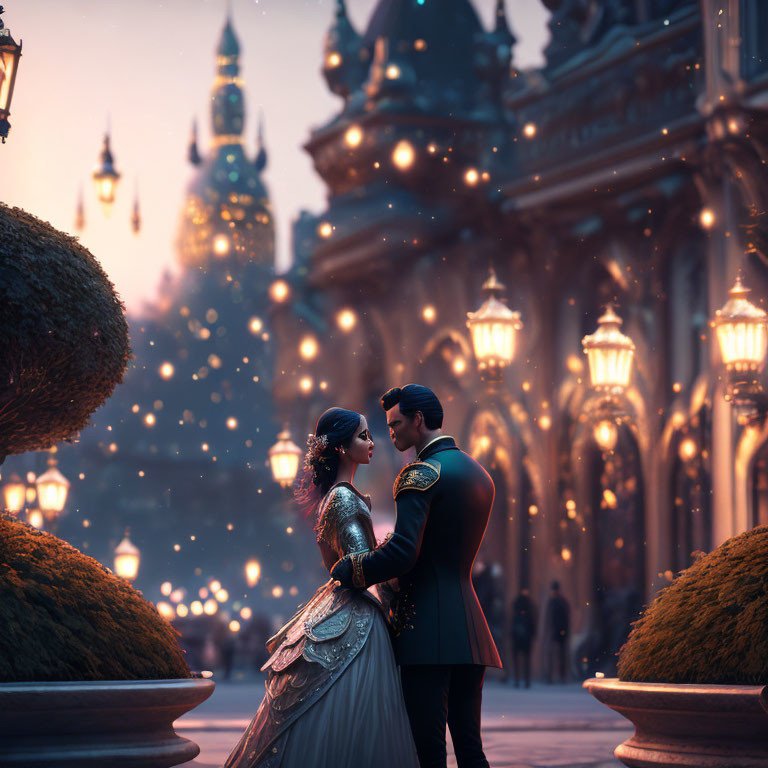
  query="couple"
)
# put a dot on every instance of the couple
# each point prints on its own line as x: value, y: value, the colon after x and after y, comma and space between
x: 334, y: 697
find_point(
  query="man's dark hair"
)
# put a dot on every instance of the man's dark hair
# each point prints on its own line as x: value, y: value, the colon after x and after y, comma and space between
x: 413, y: 398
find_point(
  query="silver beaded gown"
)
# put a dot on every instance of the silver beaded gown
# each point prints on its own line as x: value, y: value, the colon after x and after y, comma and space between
x: 333, y: 697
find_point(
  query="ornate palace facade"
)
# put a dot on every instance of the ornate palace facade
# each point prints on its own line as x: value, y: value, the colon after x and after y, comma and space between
x: 629, y: 169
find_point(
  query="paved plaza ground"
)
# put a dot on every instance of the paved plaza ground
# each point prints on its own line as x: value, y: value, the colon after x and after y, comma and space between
x: 560, y: 726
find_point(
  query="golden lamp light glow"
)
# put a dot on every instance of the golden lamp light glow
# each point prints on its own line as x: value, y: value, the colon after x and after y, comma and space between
x: 742, y: 331
x: 687, y: 449
x: 52, y: 491
x: 105, y: 176
x: 166, y: 610
x: 221, y: 245
x: 182, y: 610
x: 196, y: 607
x: 471, y: 177
x: 234, y: 625
x: 403, y: 155
x: 606, y: 434
x: 150, y: 420
x: 277, y: 591
x: 166, y: 588
x: 529, y: 130
x: 231, y: 423
x: 333, y: 60
x: 494, y: 328
x: 255, y: 325
x: 707, y: 218
x: 392, y: 72
x: 609, y: 353
x: 246, y: 613
x: 252, y: 573
x: 35, y: 518
x: 166, y: 370
x: 353, y: 136
x: 127, y: 559
x: 210, y: 607
x: 15, y: 494
x: 346, y: 320
x: 325, y: 230
x: 309, y: 348
x: 284, y: 458
x: 429, y: 314
x: 279, y: 291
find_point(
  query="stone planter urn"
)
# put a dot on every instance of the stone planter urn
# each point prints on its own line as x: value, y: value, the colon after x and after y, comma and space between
x: 97, y: 724
x: 693, y: 672
x: 707, y: 726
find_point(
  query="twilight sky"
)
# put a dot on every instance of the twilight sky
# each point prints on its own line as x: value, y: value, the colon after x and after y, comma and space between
x: 148, y: 65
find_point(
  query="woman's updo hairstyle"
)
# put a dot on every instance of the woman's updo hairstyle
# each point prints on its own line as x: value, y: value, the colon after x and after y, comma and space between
x: 335, y: 429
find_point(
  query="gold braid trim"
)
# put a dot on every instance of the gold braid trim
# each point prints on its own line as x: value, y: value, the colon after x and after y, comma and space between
x: 358, y: 577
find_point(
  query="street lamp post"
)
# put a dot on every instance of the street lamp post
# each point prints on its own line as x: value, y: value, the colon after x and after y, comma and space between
x: 742, y: 336
x: 493, y: 328
x: 10, y: 53
x: 284, y: 458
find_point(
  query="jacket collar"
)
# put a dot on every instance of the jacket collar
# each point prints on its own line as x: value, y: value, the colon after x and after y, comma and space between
x: 442, y: 443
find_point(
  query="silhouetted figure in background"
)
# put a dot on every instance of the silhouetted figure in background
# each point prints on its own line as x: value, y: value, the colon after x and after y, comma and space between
x: 558, y: 626
x: 523, y: 632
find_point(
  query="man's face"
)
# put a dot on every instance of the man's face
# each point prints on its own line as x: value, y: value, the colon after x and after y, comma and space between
x: 403, y: 430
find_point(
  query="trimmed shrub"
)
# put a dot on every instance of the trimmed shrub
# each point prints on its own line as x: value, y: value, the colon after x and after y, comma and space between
x: 63, y: 334
x: 64, y: 616
x: 710, y: 625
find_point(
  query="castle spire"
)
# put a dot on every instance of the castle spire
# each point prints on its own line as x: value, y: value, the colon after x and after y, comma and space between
x: 502, y: 28
x: 193, y: 155
x: 343, y: 67
x: 228, y: 109
x: 261, y: 151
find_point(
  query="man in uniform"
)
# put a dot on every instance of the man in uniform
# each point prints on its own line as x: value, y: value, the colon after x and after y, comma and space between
x: 443, y: 643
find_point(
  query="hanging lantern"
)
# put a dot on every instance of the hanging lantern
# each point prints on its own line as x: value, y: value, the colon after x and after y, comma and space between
x: 52, y: 491
x: 609, y: 354
x: 10, y: 53
x: 493, y: 328
x: 127, y: 558
x: 284, y: 458
x: 15, y: 493
x: 742, y: 336
x: 606, y: 434
x: 105, y: 176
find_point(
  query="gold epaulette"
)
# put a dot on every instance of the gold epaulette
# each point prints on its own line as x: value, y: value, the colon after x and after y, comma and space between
x: 419, y: 476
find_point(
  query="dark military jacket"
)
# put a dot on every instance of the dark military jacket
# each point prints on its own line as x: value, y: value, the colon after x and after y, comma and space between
x: 443, y: 505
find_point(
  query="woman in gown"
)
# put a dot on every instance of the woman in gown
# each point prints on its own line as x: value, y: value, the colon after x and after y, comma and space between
x: 333, y: 697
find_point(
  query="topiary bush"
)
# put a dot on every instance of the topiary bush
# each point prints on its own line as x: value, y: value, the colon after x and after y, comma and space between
x: 64, y: 616
x: 63, y: 334
x: 710, y: 625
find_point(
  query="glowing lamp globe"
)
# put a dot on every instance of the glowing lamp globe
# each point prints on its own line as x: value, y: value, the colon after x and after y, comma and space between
x: 52, y: 491
x: 105, y: 176
x: 15, y: 493
x: 742, y: 331
x: 10, y: 53
x: 127, y: 558
x: 606, y: 434
x: 609, y: 353
x: 252, y: 572
x: 493, y: 329
x: 284, y: 458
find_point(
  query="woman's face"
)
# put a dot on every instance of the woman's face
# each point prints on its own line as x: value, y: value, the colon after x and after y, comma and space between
x: 360, y: 448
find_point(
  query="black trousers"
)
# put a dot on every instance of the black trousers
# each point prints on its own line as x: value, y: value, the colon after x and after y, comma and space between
x: 437, y: 694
